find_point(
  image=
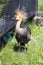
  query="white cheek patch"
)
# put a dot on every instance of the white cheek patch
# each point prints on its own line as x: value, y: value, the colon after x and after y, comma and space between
x: 17, y: 18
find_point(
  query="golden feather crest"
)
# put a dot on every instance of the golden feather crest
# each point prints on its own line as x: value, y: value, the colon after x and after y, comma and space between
x: 20, y: 15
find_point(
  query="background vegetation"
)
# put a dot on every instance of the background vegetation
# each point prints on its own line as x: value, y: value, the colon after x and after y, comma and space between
x: 2, y: 4
x: 34, y: 54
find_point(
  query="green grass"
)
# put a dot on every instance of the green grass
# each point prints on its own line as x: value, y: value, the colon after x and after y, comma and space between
x: 34, y: 54
x: 40, y: 5
x: 1, y: 7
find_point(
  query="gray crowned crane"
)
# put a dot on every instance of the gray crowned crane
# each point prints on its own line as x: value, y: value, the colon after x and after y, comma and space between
x: 22, y: 31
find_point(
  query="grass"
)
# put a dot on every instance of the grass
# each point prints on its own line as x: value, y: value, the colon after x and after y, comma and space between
x: 1, y: 7
x: 40, y: 5
x: 34, y: 54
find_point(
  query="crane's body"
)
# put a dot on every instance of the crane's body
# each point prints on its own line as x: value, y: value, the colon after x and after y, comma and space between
x: 22, y: 31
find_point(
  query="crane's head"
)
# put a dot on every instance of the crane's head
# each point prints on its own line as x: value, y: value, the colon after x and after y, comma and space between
x: 20, y: 15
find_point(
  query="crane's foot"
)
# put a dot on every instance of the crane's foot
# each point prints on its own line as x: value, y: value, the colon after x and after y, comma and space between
x: 22, y: 49
x: 25, y: 49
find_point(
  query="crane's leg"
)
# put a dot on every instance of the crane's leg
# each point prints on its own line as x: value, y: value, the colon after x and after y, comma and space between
x: 23, y: 47
x: 19, y: 46
x: 26, y: 46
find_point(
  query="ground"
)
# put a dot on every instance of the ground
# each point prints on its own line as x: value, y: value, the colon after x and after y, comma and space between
x: 34, y: 54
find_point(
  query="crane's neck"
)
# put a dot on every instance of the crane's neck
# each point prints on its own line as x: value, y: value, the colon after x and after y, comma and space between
x: 18, y: 24
x: 18, y: 28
